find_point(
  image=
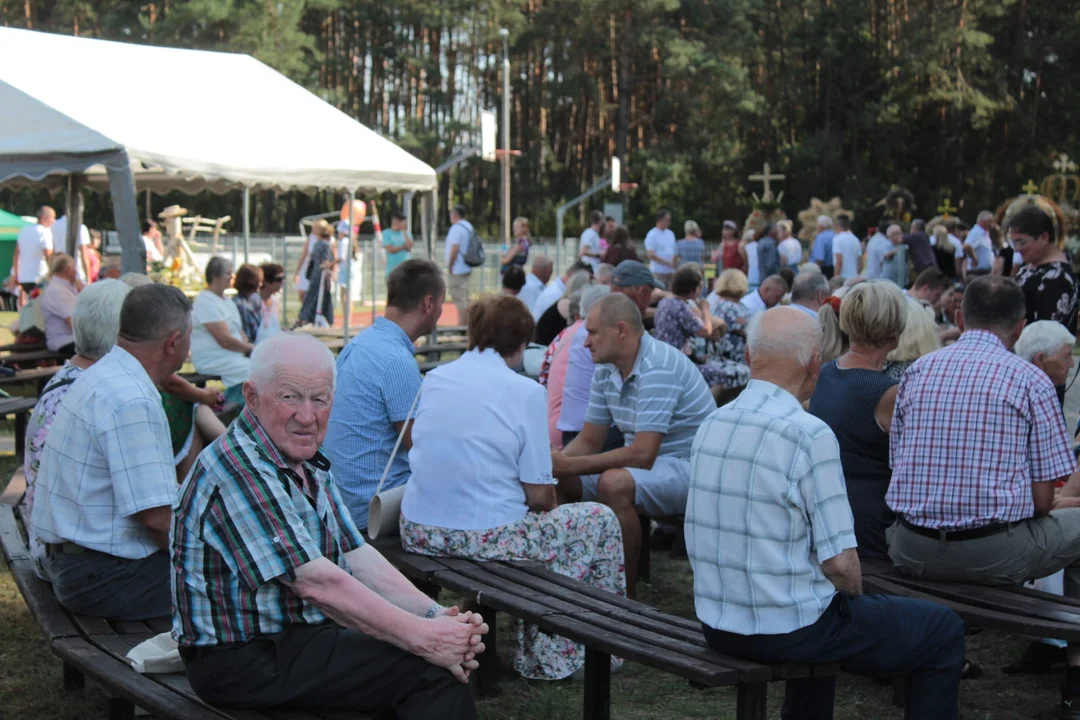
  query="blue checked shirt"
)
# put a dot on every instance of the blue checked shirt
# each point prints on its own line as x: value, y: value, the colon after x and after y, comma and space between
x: 108, y: 456
x: 664, y: 393
x: 377, y: 381
x: 242, y: 522
x: 767, y: 506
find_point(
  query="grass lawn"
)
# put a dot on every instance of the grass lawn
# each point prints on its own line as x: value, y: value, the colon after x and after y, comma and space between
x: 30, y: 682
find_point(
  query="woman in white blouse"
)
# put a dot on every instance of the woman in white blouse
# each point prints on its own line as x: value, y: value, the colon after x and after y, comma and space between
x: 218, y: 344
x: 481, y: 484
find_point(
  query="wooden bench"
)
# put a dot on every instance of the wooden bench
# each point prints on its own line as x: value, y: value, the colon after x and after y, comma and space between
x: 606, y: 624
x: 20, y: 407
x: 33, y: 356
x: 439, y: 348
x: 93, y: 647
x: 18, y: 347
x: 1012, y: 608
x: 38, y: 376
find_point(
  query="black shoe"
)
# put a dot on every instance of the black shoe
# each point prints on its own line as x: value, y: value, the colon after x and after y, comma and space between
x: 1038, y: 659
x: 1070, y: 706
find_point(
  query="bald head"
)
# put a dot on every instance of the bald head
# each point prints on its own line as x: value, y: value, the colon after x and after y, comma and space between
x: 617, y: 308
x: 772, y: 290
x: 542, y: 267
x: 783, y: 338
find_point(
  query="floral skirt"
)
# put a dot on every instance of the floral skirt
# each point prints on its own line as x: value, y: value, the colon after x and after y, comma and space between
x: 581, y: 541
x: 725, y: 373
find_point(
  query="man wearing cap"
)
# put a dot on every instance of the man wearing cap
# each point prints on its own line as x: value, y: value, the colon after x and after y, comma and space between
x: 657, y: 397
x: 636, y: 281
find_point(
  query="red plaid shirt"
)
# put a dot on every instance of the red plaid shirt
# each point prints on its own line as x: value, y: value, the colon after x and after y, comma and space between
x: 974, y: 427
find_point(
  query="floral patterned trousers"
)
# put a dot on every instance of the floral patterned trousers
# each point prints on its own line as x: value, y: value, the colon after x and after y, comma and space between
x: 581, y: 541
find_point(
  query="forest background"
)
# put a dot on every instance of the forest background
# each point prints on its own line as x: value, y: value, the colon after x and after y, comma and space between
x: 958, y: 99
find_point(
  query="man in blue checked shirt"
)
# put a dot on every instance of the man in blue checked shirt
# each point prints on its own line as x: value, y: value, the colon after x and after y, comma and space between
x: 378, y: 378
x: 771, y: 541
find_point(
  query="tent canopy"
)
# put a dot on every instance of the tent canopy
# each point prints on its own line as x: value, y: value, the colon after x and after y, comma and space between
x: 10, y: 225
x: 180, y: 119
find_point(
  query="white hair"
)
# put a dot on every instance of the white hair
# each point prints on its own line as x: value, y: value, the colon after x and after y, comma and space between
x: 1043, y: 336
x: 590, y: 296
x: 800, y: 339
x: 95, y: 321
x: 604, y: 272
x: 290, y: 348
x: 134, y: 279
x: 824, y: 221
x: 985, y: 215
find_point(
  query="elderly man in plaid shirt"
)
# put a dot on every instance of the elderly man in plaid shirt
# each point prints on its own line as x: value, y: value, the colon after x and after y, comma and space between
x: 277, y: 601
x: 771, y: 541
x: 978, y: 503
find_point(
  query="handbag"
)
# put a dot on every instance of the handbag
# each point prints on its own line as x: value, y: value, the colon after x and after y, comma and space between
x: 384, y: 509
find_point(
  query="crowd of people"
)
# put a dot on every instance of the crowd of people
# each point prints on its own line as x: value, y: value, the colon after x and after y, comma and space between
x: 795, y: 424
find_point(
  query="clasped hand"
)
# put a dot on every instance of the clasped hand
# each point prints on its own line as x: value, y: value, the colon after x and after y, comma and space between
x: 454, y: 641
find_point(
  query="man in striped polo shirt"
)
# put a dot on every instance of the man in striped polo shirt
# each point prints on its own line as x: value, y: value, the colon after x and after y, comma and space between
x: 655, y: 395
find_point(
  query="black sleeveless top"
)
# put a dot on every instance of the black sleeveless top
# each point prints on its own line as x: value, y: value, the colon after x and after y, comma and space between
x: 846, y: 400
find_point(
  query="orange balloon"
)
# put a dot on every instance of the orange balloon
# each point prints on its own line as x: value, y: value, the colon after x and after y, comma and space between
x: 359, y: 212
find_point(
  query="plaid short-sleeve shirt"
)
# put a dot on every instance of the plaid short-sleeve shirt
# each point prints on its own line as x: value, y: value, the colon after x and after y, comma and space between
x: 243, y: 521
x: 964, y: 456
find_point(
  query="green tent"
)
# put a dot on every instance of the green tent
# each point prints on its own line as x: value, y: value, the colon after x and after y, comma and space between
x: 10, y: 225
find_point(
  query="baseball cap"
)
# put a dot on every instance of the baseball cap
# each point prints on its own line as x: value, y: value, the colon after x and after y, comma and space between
x: 631, y: 273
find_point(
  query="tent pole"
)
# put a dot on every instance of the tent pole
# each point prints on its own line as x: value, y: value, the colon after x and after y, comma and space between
x: 346, y: 257
x: 74, y: 214
x: 247, y: 223
x: 149, y: 212
x: 126, y: 216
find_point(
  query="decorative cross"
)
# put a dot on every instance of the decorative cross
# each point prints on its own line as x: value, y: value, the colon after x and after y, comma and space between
x: 766, y: 177
x: 1063, y: 164
x: 1031, y: 188
x: 946, y: 209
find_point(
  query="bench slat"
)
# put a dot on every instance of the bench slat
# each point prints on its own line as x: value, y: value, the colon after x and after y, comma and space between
x: 994, y: 598
x: 127, y: 683
x: 91, y: 626
x: 483, y: 575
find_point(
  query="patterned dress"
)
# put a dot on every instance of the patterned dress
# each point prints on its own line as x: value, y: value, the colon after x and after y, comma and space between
x: 1050, y: 293
x: 581, y: 541
x: 37, y: 430
x: 732, y: 345
x: 677, y: 325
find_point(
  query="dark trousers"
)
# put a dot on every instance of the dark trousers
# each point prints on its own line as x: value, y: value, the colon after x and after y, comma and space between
x: 94, y: 583
x: 875, y: 635
x: 314, y: 667
x: 614, y: 440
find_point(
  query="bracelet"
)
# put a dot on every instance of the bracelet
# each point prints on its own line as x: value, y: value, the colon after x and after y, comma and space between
x: 433, y: 611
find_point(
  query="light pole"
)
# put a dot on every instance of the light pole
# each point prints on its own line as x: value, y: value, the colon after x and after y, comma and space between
x: 505, y: 35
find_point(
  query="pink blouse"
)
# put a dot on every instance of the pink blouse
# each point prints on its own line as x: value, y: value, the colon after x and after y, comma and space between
x: 556, y: 378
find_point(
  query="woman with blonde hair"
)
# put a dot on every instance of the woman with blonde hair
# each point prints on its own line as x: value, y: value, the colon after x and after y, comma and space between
x: 724, y: 304
x: 855, y: 398
x: 518, y: 252
x: 920, y: 337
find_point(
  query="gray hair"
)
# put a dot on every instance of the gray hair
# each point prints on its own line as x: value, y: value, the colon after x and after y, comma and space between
x: 604, y: 272
x: 985, y: 215
x: 617, y: 308
x: 134, y: 279
x: 800, y: 339
x: 577, y: 282
x: 1043, y: 336
x: 591, y: 295
x: 807, y: 285
x: 96, y: 318
x: 153, y: 311
x: 217, y: 267
x: 59, y: 263
x: 824, y: 221
x: 285, y: 348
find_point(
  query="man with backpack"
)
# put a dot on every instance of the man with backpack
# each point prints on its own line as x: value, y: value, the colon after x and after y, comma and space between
x: 464, y: 251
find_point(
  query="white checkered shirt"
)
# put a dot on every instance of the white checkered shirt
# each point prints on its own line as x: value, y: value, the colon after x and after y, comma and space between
x: 767, y: 506
x: 108, y: 456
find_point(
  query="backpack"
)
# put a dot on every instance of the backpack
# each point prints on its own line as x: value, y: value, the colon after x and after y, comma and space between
x: 474, y: 252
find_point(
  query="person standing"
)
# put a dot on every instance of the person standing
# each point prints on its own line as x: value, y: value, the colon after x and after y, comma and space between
x: 397, y: 242
x: 518, y: 252
x: 458, y: 271
x: 790, y: 248
x: 691, y: 248
x: 978, y: 249
x: 727, y: 256
x: 661, y: 248
x: 151, y: 237
x: 846, y: 249
x: 877, y: 247
x: 748, y: 249
x: 767, y: 251
x: 83, y: 261
x: 772, y: 543
x: 892, y: 268
x: 821, y: 253
x: 1046, y: 278
x: 33, y: 249
x: 589, y: 247
x: 919, y: 247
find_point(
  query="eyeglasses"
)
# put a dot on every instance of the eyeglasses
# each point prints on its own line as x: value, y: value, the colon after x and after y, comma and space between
x: 1019, y: 241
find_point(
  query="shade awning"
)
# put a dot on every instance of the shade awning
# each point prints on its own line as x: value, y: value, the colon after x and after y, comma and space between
x: 181, y: 119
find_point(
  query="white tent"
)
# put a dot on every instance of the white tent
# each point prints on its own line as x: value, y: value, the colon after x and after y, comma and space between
x: 162, y: 119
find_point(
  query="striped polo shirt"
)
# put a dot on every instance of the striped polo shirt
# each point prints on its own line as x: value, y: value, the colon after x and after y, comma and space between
x: 664, y: 393
x: 241, y: 521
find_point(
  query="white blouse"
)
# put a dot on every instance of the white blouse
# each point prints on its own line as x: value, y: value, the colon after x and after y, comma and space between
x: 480, y: 432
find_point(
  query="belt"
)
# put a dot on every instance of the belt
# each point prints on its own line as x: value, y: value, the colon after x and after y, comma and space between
x: 956, y: 535
x: 65, y: 548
